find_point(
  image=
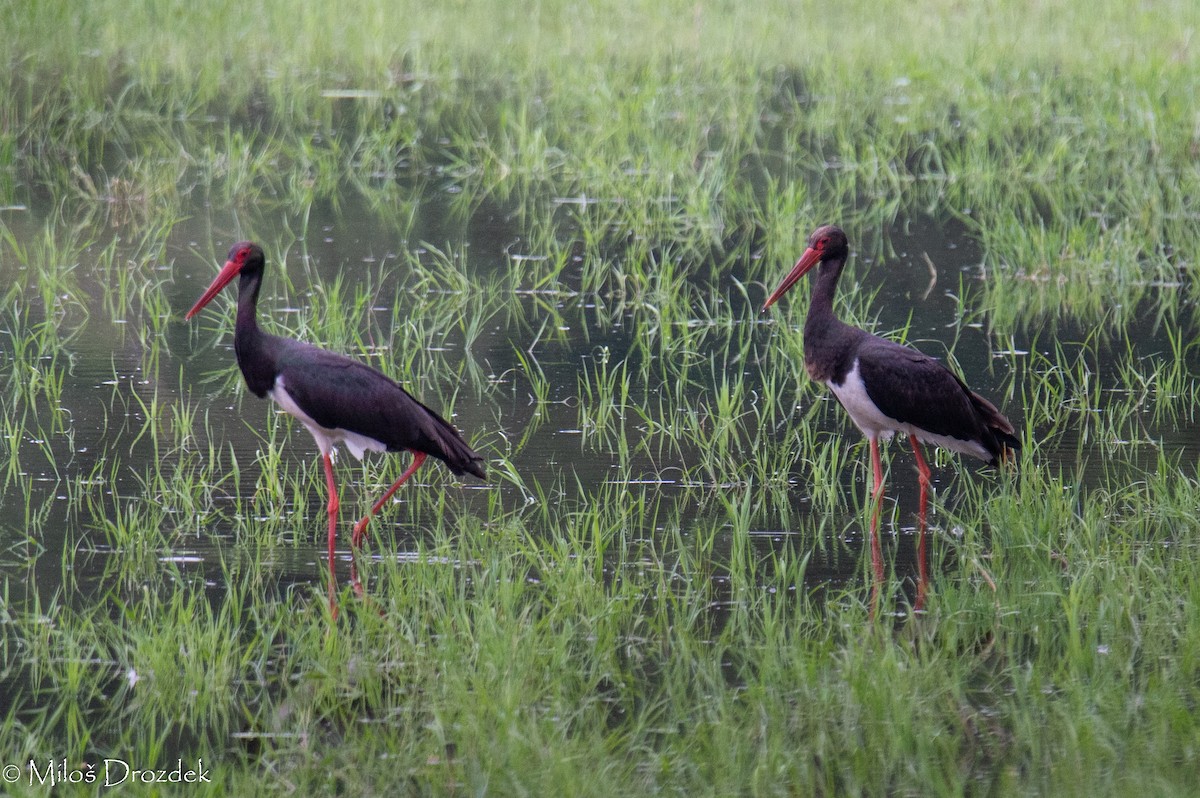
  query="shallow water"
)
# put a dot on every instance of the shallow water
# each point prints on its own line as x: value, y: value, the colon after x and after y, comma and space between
x: 114, y: 377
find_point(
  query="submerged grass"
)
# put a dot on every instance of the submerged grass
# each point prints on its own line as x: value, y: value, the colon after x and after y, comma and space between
x: 501, y: 660
x: 1071, y: 162
x: 573, y: 213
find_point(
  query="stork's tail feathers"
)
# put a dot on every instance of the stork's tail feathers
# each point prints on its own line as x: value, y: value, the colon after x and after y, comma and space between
x: 1002, y: 441
x: 444, y: 442
x: 462, y: 459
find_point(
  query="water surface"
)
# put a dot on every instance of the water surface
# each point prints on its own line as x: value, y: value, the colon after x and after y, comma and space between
x: 917, y: 279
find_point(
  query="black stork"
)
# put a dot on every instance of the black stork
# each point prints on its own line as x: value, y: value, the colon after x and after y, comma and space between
x: 888, y: 388
x: 338, y: 399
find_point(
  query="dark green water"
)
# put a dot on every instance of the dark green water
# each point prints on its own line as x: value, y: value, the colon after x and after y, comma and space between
x: 112, y: 373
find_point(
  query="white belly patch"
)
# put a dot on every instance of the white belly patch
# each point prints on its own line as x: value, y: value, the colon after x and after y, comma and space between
x: 326, y: 438
x: 852, y: 393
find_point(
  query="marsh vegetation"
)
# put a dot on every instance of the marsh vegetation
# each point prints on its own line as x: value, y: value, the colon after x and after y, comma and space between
x: 557, y: 222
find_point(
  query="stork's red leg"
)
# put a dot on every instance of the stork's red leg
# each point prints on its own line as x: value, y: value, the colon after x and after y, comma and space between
x: 922, y: 553
x: 333, y: 511
x: 876, y: 548
x: 360, y: 529
x: 924, y: 473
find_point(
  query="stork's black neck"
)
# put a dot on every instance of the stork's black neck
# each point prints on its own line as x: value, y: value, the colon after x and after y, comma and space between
x: 828, y: 341
x: 249, y: 284
x: 254, y: 349
x: 824, y: 287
